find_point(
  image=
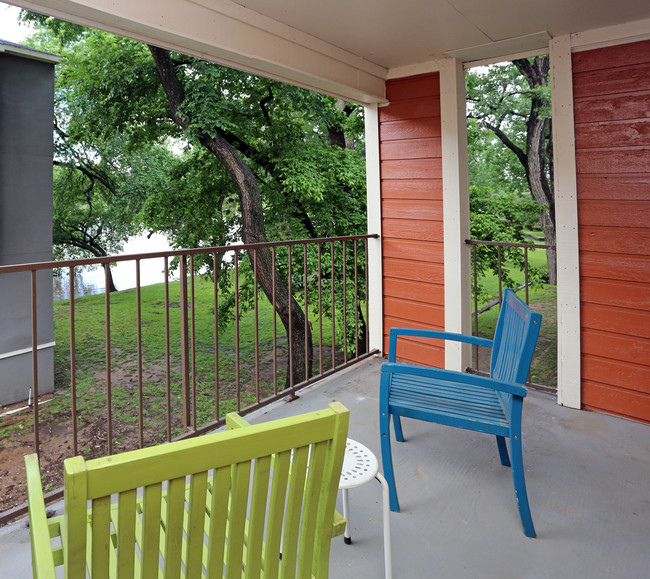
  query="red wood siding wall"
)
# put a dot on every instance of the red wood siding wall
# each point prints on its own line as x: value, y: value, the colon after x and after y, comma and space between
x: 411, y: 198
x: 612, y: 128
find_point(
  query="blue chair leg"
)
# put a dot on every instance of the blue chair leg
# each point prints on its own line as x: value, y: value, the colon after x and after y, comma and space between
x: 503, y: 451
x: 520, y: 485
x: 384, y: 428
x: 397, y: 425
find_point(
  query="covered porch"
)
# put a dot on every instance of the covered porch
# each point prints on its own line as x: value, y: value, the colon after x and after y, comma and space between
x: 587, y: 479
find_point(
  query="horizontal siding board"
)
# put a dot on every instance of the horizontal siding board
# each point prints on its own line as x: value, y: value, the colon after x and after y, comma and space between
x: 619, y: 374
x: 615, y: 212
x: 615, y: 266
x: 623, y: 187
x: 410, y: 129
x: 611, y: 57
x: 614, y: 240
x: 633, y: 296
x: 635, y: 323
x: 427, y: 251
x: 612, y: 81
x: 410, y: 109
x: 411, y: 149
x: 414, y: 229
x: 414, y: 290
x: 615, y: 347
x: 412, y: 189
x: 603, y: 397
x: 423, y: 210
x: 414, y: 352
x: 635, y: 105
x: 417, y: 271
x: 414, y: 311
x: 619, y: 161
x: 420, y: 325
x: 608, y: 135
x: 411, y: 169
x: 414, y: 87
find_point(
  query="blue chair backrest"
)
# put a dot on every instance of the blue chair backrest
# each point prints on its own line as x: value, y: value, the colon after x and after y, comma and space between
x: 514, y: 342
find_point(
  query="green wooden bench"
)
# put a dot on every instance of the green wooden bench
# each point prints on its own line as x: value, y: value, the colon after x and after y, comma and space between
x: 492, y: 405
x: 248, y: 502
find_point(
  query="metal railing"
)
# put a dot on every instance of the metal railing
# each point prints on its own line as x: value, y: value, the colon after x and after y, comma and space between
x: 497, y: 258
x: 307, y: 321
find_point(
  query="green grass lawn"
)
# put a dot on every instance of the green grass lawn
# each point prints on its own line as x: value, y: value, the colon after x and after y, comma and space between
x: 91, y: 357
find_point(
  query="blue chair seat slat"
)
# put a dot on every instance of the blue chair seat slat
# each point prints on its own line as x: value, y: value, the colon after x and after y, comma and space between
x: 450, y: 418
x: 439, y: 399
x: 490, y: 405
x: 446, y: 387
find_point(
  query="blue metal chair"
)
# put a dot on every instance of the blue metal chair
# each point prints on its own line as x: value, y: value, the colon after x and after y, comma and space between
x: 492, y: 405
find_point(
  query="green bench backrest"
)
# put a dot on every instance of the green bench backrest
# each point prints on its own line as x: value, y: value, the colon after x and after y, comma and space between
x: 246, y: 501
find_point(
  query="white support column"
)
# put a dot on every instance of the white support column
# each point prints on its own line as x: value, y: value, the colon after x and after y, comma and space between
x: 455, y: 210
x: 373, y: 196
x: 566, y: 223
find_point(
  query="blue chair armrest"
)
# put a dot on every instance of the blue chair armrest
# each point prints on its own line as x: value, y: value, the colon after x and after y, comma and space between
x: 394, y: 332
x: 453, y: 376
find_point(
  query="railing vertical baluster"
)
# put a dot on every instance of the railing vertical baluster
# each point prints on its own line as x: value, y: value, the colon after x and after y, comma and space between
x: 109, y: 386
x: 193, y: 340
x: 37, y: 445
x: 215, y: 269
x: 356, y: 300
x: 526, y: 274
x: 320, y: 311
x: 365, y: 244
x: 138, y: 308
x: 237, y: 383
x: 475, y: 347
x: 257, y: 333
x: 168, y: 385
x: 290, y: 345
x: 185, y: 347
x: 345, y: 302
x: 275, y: 327
x: 73, y: 366
x: 333, y: 310
x: 500, y: 282
x: 304, y: 255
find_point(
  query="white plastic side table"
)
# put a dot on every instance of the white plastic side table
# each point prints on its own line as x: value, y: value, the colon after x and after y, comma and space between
x: 359, y: 467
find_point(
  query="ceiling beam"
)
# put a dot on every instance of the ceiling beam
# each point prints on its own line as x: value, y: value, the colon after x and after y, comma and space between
x: 231, y: 35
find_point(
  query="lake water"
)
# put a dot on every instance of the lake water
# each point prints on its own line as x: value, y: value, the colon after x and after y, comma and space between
x: 89, y: 282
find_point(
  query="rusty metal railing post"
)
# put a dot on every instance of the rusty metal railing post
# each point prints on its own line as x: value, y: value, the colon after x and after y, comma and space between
x: 185, y: 344
x: 35, y: 362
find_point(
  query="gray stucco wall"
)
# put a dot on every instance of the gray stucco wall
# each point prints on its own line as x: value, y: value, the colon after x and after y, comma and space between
x: 26, y: 117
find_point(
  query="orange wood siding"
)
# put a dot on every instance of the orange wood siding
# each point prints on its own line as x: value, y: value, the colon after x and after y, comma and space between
x: 412, y: 221
x: 612, y: 129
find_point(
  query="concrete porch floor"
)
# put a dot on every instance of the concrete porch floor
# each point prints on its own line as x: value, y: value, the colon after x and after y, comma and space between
x: 588, y: 478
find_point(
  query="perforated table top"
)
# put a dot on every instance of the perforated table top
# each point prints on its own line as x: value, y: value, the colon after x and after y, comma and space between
x: 359, y: 465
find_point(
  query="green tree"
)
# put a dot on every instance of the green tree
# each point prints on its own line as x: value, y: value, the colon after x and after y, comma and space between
x: 261, y: 160
x: 511, y: 103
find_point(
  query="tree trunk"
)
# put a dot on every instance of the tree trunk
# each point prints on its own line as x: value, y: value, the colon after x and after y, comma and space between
x: 253, y: 230
x: 111, y: 283
x: 538, y: 142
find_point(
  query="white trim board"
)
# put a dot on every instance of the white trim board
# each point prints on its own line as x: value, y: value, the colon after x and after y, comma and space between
x: 566, y: 216
x: 373, y: 203
x: 22, y: 351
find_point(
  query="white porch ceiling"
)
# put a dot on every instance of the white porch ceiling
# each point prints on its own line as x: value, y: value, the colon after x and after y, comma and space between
x: 345, y: 47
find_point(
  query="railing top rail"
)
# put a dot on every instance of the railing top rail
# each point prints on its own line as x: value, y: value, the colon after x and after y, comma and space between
x: 21, y: 267
x: 509, y: 244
